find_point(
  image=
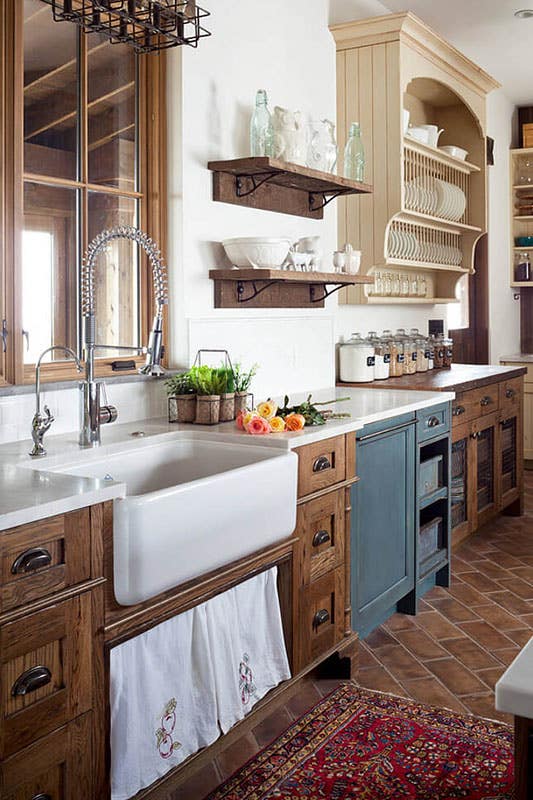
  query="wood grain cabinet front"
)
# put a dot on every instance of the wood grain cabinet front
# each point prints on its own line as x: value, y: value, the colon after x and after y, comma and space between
x: 321, y: 616
x: 511, y: 393
x: 321, y: 530
x: 321, y: 465
x: 57, y: 767
x: 46, y: 671
x: 45, y: 557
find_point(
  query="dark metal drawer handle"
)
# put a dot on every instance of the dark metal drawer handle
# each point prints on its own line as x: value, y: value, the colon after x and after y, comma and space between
x: 486, y: 401
x: 433, y: 422
x: 30, y: 560
x: 510, y: 393
x: 320, y: 618
x: 42, y: 796
x: 320, y: 537
x: 322, y: 463
x: 475, y: 435
x: 31, y: 680
x: 458, y: 411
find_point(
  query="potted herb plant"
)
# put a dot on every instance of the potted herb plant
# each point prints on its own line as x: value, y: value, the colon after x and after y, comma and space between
x: 181, y: 398
x: 227, y: 395
x: 208, y: 386
x: 242, y: 382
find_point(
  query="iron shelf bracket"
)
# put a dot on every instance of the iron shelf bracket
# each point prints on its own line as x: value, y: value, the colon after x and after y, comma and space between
x: 326, y: 199
x: 256, y: 292
x: 257, y: 182
x: 326, y: 293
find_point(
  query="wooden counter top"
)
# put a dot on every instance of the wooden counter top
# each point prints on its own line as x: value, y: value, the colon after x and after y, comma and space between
x: 460, y: 378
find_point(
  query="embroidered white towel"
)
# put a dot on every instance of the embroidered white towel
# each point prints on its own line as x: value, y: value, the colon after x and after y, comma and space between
x: 163, y: 703
x: 247, y: 646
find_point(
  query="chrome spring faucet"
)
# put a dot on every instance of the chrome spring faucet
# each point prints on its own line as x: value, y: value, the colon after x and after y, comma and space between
x: 41, y: 423
x: 94, y: 413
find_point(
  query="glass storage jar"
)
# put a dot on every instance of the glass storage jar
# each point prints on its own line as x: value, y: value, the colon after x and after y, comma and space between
x: 396, y: 353
x: 382, y: 356
x: 448, y: 353
x: 357, y: 360
x: 408, y: 362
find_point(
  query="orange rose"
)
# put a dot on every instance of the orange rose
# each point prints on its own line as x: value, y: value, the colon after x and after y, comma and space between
x: 295, y: 422
x: 277, y: 425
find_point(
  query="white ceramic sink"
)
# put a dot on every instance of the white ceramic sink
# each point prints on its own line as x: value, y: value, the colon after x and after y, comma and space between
x: 191, y: 506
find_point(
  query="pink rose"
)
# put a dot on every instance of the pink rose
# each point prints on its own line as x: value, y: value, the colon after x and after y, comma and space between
x: 258, y: 426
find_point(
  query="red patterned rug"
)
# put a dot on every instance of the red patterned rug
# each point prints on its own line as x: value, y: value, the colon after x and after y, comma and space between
x: 371, y: 746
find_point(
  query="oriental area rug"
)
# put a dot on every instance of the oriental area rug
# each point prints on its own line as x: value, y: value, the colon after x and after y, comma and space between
x: 362, y: 745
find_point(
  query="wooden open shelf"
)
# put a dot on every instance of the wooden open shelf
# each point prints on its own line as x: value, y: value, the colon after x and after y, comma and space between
x: 440, y: 156
x: 276, y: 288
x: 274, y: 185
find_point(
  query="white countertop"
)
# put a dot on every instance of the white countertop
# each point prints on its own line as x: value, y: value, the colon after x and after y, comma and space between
x: 520, y: 358
x: 514, y: 690
x: 29, y: 491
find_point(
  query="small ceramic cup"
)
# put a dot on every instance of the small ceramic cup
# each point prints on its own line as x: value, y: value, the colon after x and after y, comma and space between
x: 339, y: 261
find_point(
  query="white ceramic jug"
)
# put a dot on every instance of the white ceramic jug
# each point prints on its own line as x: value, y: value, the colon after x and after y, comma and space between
x: 434, y: 134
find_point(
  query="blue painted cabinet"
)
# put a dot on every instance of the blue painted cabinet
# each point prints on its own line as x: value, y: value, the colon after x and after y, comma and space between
x: 383, y: 521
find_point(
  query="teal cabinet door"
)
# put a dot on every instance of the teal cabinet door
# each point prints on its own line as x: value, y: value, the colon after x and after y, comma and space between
x: 382, y: 524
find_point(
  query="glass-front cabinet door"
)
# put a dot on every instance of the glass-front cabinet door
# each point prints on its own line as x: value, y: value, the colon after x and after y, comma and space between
x: 510, y: 458
x: 460, y: 484
x: 485, y: 459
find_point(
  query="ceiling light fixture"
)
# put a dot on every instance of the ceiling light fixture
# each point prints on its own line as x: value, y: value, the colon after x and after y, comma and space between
x: 524, y: 13
x: 147, y: 25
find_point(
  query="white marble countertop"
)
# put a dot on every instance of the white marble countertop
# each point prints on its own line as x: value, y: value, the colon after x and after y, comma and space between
x: 30, y: 491
x: 521, y: 358
x: 514, y: 690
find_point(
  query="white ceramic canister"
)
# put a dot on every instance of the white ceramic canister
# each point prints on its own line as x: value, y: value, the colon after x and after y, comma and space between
x: 357, y: 360
x: 381, y: 356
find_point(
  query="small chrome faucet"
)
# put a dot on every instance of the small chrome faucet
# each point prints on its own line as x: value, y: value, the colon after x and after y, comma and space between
x: 93, y: 413
x: 41, y: 423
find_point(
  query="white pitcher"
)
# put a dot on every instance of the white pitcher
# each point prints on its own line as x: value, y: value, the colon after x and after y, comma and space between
x: 434, y: 133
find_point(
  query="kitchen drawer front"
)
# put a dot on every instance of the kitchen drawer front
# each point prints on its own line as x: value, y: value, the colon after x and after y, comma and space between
x: 58, y: 766
x: 321, y: 623
x: 42, y: 558
x: 487, y: 399
x: 46, y: 677
x: 465, y: 408
x: 321, y: 465
x: 511, y: 396
x: 320, y: 528
x: 433, y: 422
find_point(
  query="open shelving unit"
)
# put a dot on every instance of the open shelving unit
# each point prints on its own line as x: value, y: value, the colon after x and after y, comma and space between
x: 384, y: 66
x: 521, y: 224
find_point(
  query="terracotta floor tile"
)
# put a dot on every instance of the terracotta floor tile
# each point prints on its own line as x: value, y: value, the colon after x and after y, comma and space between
x: 524, y: 572
x: 491, y: 676
x: 527, y: 619
x: 511, y: 602
x: 470, y: 654
x: 366, y: 657
x: 460, y: 565
x: 272, y: 726
x: 432, y: 692
x: 480, y: 582
x: 490, y: 569
x: 504, y: 559
x: 466, y: 594
x: 438, y: 627
x: 508, y: 655
x: 399, y: 622
x: 519, y: 587
x: 379, y: 638
x: 485, y: 635
x: 401, y: 664
x: 453, y: 610
x: 420, y: 644
x: 199, y: 785
x: 483, y: 706
x: 521, y: 637
x: 380, y: 680
x: 327, y: 685
x: 304, y: 699
x: 497, y: 616
x: 456, y: 677
x: 236, y: 754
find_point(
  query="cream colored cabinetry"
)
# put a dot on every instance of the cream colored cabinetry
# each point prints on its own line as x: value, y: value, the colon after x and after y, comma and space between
x: 528, y: 406
x: 385, y: 65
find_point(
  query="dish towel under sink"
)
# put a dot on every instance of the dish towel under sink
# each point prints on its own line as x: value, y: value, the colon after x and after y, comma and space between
x: 174, y: 688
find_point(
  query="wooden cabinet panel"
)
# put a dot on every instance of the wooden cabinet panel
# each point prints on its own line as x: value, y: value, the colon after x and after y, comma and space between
x: 46, y: 671
x: 44, y: 557
x: 58, y: 766
x: 321, y: 465
x: 321, y: 617
x: 320, y: 528
x: 465, y: 408
x: 511, y: 396
x: 528, y: 425
x: 487, y: 399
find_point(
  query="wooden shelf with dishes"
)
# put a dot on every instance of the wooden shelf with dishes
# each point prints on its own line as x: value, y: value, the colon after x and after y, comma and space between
x: 521, y: 198
x: 429, y: 207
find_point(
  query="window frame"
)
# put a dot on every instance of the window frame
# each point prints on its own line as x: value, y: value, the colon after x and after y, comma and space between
x: 152, y: 182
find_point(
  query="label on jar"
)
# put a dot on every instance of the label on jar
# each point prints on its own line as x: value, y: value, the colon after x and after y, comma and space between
x: 401, y: 358
x: 449, y: 353
x: 386, y: 358
x: 414, y: 356
x: 427, y: 354
x: 440, y: 353
x: 371, y: 361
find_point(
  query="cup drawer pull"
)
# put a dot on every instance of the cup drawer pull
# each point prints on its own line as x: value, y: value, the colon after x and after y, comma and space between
x: 510, y: 393
x: 320, y: 537
x: 433, y: 422
x: 31, y: 680
x: 30, y: 560
x: 42, y: 796
x: 321, y: 464
x: 458, y: 411
x: 486, y: 401
x: 320, y: 618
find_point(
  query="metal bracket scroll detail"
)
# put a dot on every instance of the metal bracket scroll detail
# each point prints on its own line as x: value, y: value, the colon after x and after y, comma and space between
x: 257, y: 182
x: 256, y: 292
x: 326, y: 199
x: 326, y: 293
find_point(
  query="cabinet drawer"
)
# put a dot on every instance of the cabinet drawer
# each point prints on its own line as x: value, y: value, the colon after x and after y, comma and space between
x: 433, y: 422
x: 46, y: 677
x: 321, y: 615
x: 487, y: 399
x: 465, y: 408
x: 511, y: 396
x: 58, y: 767
x: 42, y: 558
x: 320, y: 528
x: 321, y: 465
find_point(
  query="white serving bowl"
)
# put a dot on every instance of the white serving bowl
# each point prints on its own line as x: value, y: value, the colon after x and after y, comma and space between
x: 258, y: 253
x: 453, y: 150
